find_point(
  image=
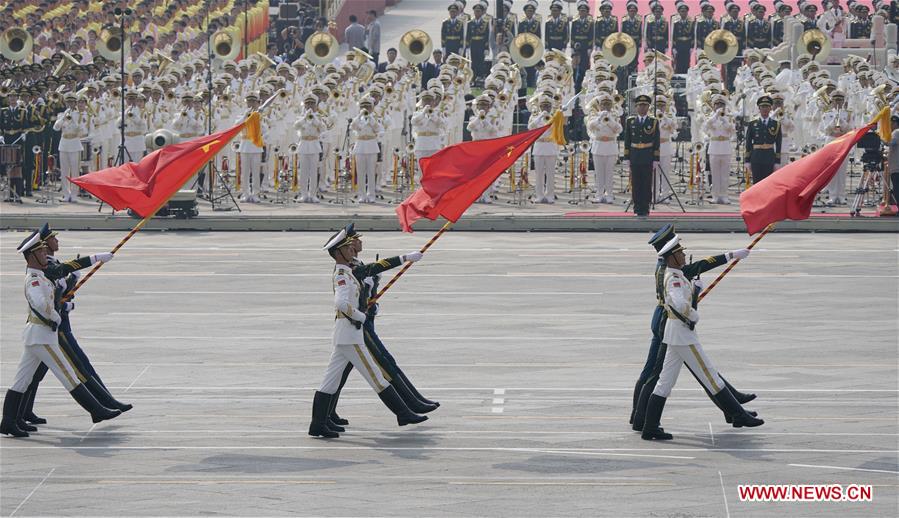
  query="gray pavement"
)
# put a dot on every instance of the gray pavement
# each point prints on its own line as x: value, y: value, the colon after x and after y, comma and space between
x: 532, y: 342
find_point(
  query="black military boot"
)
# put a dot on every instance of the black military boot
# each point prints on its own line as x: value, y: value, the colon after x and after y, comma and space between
x: 104, y: 397
x: 642, y: 404
x: 737, y: 413
x: 28, y: 407
x: 319, y: 425
x: 651, y: 429
x: 332, y: 412
x: 395, y: 403
x: 741, y: 397
x: 637, y: 388
x: 10, y: 411
x: 415, y: 390
x: 409, y: 398
x: 20, y: 420
x: 98, y: 412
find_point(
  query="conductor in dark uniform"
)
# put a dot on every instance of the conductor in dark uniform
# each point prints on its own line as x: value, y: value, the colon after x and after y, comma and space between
x: 556, y: 28
x: 860, y: 26
x: 763, y: 141
x: 682, y: 38
x: 656, y: 29
x: 641, y: 151
x: 477, y: 39
x: 581, y: 42
x: 777, y: 23
x: 733, y: 22
x: 530, y: 24
x: 452, y: 32
x: 605, y: 25
x: 758, y: 30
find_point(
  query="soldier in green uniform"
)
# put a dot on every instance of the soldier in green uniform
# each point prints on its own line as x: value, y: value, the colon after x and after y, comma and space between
x: 477, y: 39
x: 656, y: 27
x: 777, y: 23
x: 641, y: 152
x: 733, y: 22
x: 556, y: 28
x: 632, y: 25
x: 452, y: 32
x: 758, y: 30
x: 530, y: 24
x: 582, y: 32
x: 12, y: 121
x: 763, y: 141
x: 860, y: 27
x: 605, y: 25
x: 705, y: 23
x: 682, y: 38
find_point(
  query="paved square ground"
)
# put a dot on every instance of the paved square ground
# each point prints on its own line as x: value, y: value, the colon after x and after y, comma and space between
x: 532, y: 342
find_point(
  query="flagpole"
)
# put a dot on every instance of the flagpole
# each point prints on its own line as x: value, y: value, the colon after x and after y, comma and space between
x: 137, y: 228
x: 730, y: 267
x: 373, y: 300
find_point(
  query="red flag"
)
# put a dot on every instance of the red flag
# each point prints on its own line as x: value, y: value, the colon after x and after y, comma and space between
x: 790, y: 191
x: 454, y: 177
x: 144, y: 186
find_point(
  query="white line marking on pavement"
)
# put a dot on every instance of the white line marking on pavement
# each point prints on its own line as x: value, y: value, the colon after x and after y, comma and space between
x: 441, y: 448
x: 711, y: 433
x: 724, y: 494
x: 298, y: 292
x: 845, y: 469
x: 32, y: 492
x: 137, y: 378
x: 417, y: 338
x: 498, y: 402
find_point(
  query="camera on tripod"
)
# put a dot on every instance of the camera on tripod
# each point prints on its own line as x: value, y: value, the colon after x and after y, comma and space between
x: 872, y: 155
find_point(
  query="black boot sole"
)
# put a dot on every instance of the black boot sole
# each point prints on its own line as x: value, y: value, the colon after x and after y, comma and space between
x: 403, y: 421
x: 15, y: 432
x: 35, y: 420
x: 657, y: 437
x: 741, y: 423
x: 99, y: 419
x: 745, y: 398
x: 318, y: 431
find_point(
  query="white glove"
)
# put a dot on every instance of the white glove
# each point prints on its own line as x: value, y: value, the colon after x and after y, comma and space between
x: 742, y: 253
x: 694, y: 316
x: 699, y: 284
x: 368, y: 281
x: 413, y: 257
x: 359, y: 316
x: 68, y: 306
x: 76, y: 274
x: 102, y: 257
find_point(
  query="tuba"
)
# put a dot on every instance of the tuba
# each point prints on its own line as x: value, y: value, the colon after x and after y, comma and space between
x: 16, y: 44
x: 721, y: 46
x: 526, y: 49
x: 816, y: 43
x: 619, y: 49
x: 265, y: 63
x: 321, y: 48
x: 224, y: 45
x: 111, y: 43
x: 163, y: 61
x: 68, y: 61
x: 416, y: 46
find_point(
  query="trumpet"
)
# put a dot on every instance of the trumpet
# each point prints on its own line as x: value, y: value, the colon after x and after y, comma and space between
x: 169, y: 95
x: 293, y: 149
x: 482, y: 115
x: 388, y: 90
x: 282, y: 94
x: 309, y: 116
x: 502, y: 97
x: 364, y: 113
x: 606, y: 118
x: 335, y: 95
x: 458, y: 80
x: 429, y: 110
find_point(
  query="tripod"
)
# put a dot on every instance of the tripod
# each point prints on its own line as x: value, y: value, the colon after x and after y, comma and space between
x: 122, y: 152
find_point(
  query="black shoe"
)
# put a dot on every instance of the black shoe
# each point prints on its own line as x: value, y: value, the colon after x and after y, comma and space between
x: 98, y: 412
x: 415, y: 390
x: 104, y: 397
x: 25, y: 426
x: 319, y: 425
x: 334, y: 427
x: 741, y: 397
x: 393, y: 401
x: 651, y: 429
x: 11, y: 405
x: 409, y: 398
x: 33, y: 419
x: 332, y: 413
x: 740, y: 417
x: 728, y: 419
x: 637, y: 388
x: 637, y: 424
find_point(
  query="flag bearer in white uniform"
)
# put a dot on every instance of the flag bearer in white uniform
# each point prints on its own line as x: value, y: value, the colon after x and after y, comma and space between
x: 349, y: 341
x: 42, y: 342
x: 681, y: 296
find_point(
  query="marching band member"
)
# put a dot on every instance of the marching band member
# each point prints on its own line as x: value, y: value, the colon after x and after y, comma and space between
x: 366, y: 130
x: 721, y: 131
x: 250, y: 157
x: 546, y: 153
x: 72, y: 125
x: 427, y: 126
x: 604, y: 127
x: 834, y: 123
x: 309, y: 127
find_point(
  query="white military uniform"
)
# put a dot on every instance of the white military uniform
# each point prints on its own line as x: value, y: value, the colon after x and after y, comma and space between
x: 73, y: 128
x: 41, y: 341
x: 367, y: 130
x: 604, y: 129
x: 721, y: 132
x: 427, y: 128
x: 135, y: 132
x: 250, y: 166
x: 683, y: 342
x: 310, y: 128
x: 348, y: 341
x: 835, y: 123
x: 546, y: 152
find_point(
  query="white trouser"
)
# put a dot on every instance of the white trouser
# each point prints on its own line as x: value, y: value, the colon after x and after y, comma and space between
x: 366, y: 167
x: 720, y: 169
x: 424, y: 153
x: 545, y: 167
x: 837, y: 185
x: 699, y: 363
x: 664, y: 166
x: 69, y: 166
x: 604, y: 175
x: 308, y: 175
x: 250, y: 164
x: 54, y: 358
x: 328, y: 159
x: 362, y: 361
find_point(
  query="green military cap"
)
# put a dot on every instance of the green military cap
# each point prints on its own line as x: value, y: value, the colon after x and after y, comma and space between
x: 643, y: 99
x: 764, y: 100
